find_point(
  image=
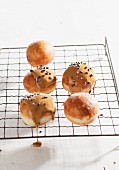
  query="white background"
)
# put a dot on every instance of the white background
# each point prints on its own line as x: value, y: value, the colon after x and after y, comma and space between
x: 61, y: 22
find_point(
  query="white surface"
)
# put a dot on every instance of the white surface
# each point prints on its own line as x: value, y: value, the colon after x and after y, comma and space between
x: 64, y: 153
x: 60, y: 22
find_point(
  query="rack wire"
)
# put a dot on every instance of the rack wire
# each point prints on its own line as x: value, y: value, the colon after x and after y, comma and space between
x: 13, y: 68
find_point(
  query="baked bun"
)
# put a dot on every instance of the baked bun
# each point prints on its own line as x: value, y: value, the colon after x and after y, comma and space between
x: 41, y: 79
x: 79, y: 77
x: 37, y: 109
x: 81, y: 108
x: 40, y: 53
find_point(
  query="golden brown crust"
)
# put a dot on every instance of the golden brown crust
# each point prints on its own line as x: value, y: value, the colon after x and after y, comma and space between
x: 79, y: 77
x: 37, y: 109
x: 81, y: 108
x: 40, y: 53
x: 79, y: 122
x: 40, y: 80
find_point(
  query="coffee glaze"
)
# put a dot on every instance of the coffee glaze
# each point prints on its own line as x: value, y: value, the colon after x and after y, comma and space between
x: 37, y: 144
x: 41, y: 80
x: 36, y: 110
x: 79, y: 77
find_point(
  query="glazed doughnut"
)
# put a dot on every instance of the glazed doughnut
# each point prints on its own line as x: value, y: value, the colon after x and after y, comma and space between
x: 41, y: 79
x: 40, y: 53
x: 79, y: 77
x: 81, y: 108
x: 37, y: 109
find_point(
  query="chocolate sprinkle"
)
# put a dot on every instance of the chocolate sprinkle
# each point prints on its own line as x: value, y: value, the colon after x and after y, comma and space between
x: 89, y: 91
x: 31, y: 71
x: 44, y: 97
x: 85, y: 67
x: 88, y: 82
x: 28, y: 97
x: 91, y: 75
x: 73, y: 85
x: 81, y: 72
x: 86, y: 72
x: 49, y: 78
x: 47, y: 67
x: 35, y: 94
x: 54, y: 77
x: 42, y: 71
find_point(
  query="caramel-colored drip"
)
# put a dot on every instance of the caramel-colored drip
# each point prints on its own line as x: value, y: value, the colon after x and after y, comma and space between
x: 38, y: 106
x: 37, y: 143
x: 53, y: 116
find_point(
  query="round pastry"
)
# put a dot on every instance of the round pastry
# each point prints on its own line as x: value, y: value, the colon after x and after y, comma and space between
x: 40, y: 53
x: 81, y: 108
x: 79, y: 77
x: 41, y: 79
x: 37, y: 109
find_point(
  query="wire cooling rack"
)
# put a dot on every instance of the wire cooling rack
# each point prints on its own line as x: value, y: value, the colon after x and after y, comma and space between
x: 13, y: 68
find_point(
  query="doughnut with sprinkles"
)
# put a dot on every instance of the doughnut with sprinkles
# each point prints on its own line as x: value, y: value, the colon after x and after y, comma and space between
x: 83, y: 76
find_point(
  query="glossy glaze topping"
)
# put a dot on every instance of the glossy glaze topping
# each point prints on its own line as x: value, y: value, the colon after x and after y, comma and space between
x: 38, y: 105
x: 43, y: 77
x: 79, y: 76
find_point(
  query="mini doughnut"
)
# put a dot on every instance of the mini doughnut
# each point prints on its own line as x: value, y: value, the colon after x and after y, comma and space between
x: 37, y: 109
x: 41, y: 79
x: 81, y: 108
x: 79, y: 77
x: 40, y: 53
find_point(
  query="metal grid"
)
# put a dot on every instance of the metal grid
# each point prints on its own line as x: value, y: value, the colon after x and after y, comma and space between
x: 13, y: 68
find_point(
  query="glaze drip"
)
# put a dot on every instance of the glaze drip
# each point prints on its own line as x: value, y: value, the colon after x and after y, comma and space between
x: 39, y: 107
